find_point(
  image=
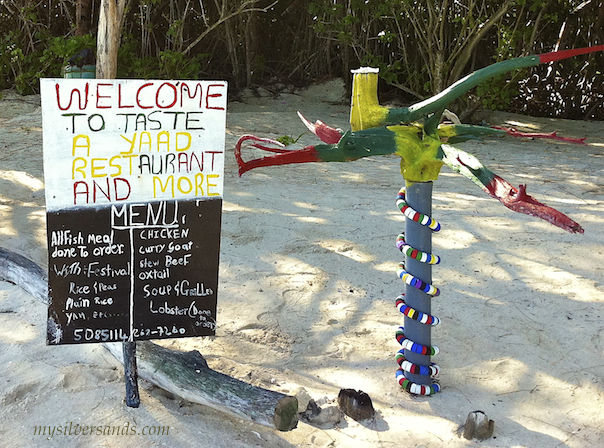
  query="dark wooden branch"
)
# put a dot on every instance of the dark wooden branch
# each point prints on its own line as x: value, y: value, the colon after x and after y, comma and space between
x: 131, y: 374
x: 186, y: 375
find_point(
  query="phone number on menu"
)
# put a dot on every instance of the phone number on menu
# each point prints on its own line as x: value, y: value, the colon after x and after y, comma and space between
x: 158, y: 331
x: 119, y: 334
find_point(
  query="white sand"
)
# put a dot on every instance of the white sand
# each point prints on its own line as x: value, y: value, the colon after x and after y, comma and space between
x: 307, y: 294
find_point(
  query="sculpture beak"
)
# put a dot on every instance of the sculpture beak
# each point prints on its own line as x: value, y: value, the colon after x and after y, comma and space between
x: 326, y: 134
x: 513, y: 198
x: 518, y: 201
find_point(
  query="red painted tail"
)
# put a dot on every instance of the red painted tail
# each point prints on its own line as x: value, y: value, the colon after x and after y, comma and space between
x: 564, y: 54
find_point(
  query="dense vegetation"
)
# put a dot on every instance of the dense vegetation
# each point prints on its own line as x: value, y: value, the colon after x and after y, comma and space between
x: 420, y: 46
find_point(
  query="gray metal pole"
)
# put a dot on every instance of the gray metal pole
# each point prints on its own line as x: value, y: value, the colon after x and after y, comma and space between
x: 419, y: 197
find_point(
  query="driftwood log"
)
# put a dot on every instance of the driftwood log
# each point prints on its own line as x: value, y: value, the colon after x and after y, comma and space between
x: 186, y: 375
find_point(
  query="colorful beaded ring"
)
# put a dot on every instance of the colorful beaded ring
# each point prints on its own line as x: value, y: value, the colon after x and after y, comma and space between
x: 431, y: 370
x: 414, y: 388
x: 418, y: 255
x: 413, y: 215
x: 412, y: 313
x: 416, y: 282
x: 408, y: 344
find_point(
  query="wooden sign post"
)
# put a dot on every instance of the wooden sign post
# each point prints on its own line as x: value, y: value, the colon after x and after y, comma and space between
x: 134, y: 181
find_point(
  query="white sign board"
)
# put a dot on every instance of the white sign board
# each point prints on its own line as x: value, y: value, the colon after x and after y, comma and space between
x: 132, y: 140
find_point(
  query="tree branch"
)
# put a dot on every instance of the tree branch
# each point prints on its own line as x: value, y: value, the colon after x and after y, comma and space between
x: 468, y: 48
x: 241, y: 10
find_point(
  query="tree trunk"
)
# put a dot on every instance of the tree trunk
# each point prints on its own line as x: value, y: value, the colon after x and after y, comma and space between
x: 83, y: 17
x: 232, y: 49
x: 250, y: 46
x: 108, y: 38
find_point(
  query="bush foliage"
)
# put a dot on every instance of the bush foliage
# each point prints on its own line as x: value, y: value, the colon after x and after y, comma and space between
x: 419, y: 46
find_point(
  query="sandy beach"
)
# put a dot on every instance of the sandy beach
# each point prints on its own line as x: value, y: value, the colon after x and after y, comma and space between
x: 307, y: 296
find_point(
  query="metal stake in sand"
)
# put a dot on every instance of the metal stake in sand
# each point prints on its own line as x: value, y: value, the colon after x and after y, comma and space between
x: 419, y: 197
x: 416, y: 372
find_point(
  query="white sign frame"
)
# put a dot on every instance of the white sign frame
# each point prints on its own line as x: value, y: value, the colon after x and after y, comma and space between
x: 117, y: 141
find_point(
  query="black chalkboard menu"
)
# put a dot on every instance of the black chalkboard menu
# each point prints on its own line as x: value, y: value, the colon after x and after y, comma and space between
x: 150, y: 269
x: 133, y: 207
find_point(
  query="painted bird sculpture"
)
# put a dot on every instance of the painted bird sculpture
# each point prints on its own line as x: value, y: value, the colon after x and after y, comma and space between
x: 416, y: 134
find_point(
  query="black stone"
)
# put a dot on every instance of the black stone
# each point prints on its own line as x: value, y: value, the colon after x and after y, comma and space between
x: 356, y: 404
